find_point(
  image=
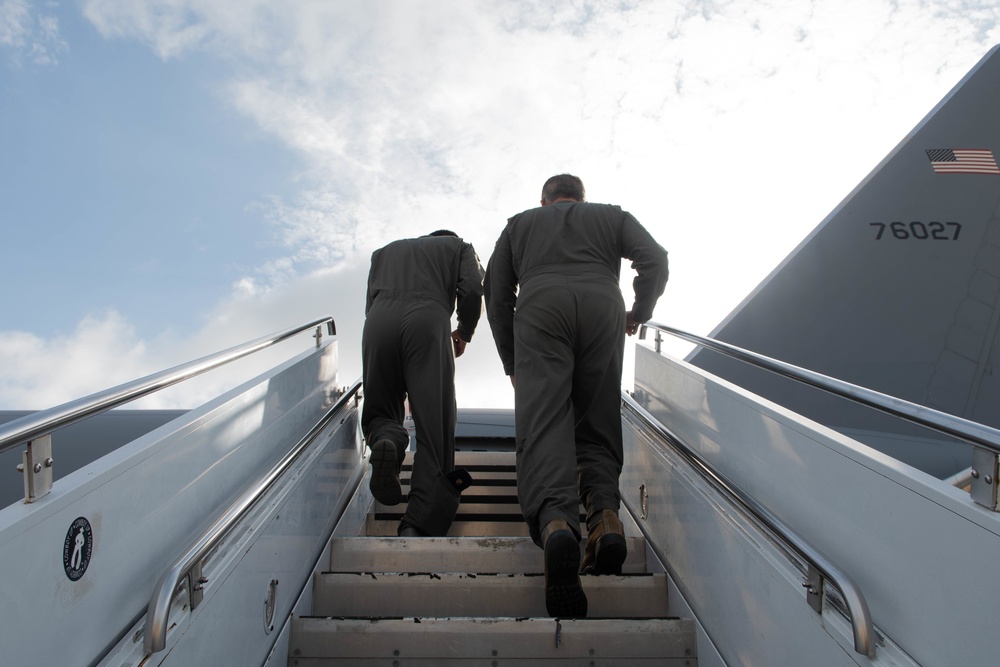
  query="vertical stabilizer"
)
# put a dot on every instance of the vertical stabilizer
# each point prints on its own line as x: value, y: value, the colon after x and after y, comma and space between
x: 898, y: 289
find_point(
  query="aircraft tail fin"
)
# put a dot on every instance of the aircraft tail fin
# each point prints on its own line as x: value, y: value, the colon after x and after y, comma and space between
x: 898, y: 289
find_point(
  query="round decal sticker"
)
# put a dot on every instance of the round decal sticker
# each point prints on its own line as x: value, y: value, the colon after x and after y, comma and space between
x: 77, y: 548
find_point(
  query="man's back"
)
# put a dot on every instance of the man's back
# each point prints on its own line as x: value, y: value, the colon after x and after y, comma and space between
x: 569, y: 237
x: 428, y: 266
x: 570, y: 234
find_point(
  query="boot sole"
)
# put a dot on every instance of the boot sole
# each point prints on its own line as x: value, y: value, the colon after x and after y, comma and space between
x: 564, y: 596
x: 384, y: 483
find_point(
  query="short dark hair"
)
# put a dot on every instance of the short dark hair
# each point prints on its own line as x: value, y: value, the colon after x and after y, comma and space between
x: 444, y: 232
x: 563, y: 185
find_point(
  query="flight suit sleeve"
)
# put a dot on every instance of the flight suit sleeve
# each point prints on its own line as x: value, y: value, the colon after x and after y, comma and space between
x: 369, y: 294
x: 500, y: 287
x: 469, y: 302
x: 649, y: 260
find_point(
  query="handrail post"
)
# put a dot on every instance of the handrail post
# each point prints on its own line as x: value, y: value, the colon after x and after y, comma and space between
x: 36, y: 468
x: 196, y: 581
x: 984, y: 477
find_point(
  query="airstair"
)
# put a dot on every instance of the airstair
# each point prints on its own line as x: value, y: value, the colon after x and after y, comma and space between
x: 476, y: 597
x: 243, y: 532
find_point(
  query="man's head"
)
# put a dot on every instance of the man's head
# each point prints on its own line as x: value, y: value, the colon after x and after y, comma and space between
x: 443, y: 232
x: 563, y: 186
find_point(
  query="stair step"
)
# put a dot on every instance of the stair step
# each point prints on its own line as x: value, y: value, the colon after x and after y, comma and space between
x: 479, y: 595
x: 497, y: 555
x: 495, y: 641
x: 386, y: 525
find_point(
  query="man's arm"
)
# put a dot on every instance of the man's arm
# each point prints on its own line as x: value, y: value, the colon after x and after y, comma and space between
x: 650, y: 263
x: 369, y: 296
x: 500, y: 287
x: 469, y: 301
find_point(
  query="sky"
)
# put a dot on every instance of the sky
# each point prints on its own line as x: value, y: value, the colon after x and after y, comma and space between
x: 181, y: 176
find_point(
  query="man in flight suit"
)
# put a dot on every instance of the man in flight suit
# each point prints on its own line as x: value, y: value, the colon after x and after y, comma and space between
x: 558, y: 266
x: 408, y: 349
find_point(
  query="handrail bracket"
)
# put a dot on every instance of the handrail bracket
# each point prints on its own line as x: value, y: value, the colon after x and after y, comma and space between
x: 196, y: 585
x: 814, y: 588
x: 36, y: 468
x: 984, y: 477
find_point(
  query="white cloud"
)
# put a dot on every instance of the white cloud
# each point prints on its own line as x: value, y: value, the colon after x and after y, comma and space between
x: 30, y: 33
x: 729, y: 128
x: 101, y: 352
x: 14, y: 22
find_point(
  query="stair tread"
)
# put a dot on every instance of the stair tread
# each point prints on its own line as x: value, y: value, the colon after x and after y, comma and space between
x: 511, y: 555
x: 477, y: 596
x: 510, y: 526
x: 503, y: 638
x: 482, y: 595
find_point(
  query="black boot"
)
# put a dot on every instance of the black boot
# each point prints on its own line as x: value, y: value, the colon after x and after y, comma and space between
x: 564, y: 596
x: 406, y: 530
x: 384, y: 483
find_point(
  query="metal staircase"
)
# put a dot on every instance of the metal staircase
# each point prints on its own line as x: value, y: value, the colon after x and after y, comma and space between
x: 476, y: 597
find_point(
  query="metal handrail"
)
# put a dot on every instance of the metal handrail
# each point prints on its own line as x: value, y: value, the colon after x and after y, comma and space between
x: 44, y: 422
x: 942, y: 422
x: 857, y: 607
x: 158, y: 611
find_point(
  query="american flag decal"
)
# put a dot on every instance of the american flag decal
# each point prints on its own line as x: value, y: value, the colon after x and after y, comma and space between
x: 963, y: 161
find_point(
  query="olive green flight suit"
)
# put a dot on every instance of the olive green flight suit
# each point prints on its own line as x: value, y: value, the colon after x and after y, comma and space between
x: 414, y: 286
x: 558, y: 318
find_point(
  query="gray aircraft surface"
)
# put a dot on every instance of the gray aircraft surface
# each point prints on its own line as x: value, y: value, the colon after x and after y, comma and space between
x: 767, y: 523
x: 897, y: 290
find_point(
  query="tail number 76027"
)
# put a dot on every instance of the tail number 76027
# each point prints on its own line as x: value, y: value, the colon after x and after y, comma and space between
x: 921, y: 231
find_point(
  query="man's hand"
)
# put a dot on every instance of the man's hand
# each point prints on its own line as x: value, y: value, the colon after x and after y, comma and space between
x: 458, y: 343
x: 630, y: 326
x: 512, y: 383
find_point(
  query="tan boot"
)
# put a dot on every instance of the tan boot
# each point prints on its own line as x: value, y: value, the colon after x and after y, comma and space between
x: 606, y: 548
x: 564, y: 596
